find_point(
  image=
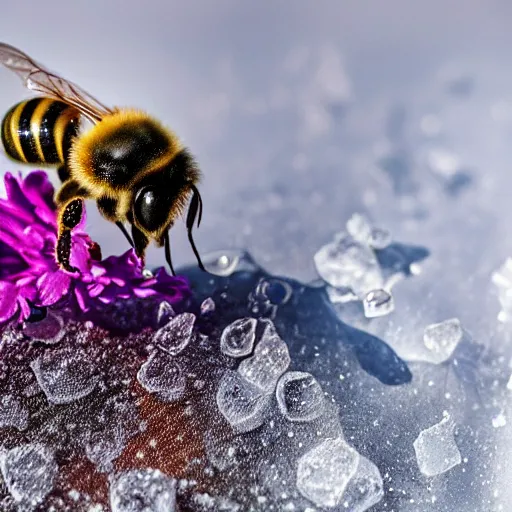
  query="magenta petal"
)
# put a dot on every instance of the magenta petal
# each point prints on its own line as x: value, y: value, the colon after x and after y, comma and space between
x: 52, y: 287
x: 95, y: 290
x: 8, y: 300
x: 80, y: 299
x: 143, y: 292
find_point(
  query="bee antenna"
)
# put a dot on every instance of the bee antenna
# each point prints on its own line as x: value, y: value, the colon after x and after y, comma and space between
x: 196, y: 206
x: 167, y: 245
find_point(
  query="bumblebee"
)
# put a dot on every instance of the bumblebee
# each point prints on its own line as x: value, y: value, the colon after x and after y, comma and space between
x: 136, y: 169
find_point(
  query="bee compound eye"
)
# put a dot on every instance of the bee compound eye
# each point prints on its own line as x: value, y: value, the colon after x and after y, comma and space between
x: 150, y: 209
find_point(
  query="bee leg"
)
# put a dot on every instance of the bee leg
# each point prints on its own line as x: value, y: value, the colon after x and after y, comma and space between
x: 196, y: 206
x: 69, y: 217
x: 107, y: 207
x: 70, y: 190
x: 167, y: 246
x: 63, y: 173
x: 140, y: 241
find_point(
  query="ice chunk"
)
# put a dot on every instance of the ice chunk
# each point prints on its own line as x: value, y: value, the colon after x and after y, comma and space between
x: 207, y: 306
x: 380, y: 238
x: 499, y: 421
x: 176, y: 334
x: 378, y: 303
x: 64, y: 375
x: 436, y: 450
x: 29, y: 472
x: 243, y: 404
x: 143, y: 490
x: 324, y: 472
x: 237, y: 339
x: 502, y: 278
x: 442, y: 339
x: 347, y: 263
x: 270, y: 360
x: 365, y: 489
x: 341, y: 295
x: 13, y: 413
x: 104, y: 447
x: 300, y: 397
x: 359, y: 227
x: 50, y: 330
x: 164, y: 313
x: 162, y: 374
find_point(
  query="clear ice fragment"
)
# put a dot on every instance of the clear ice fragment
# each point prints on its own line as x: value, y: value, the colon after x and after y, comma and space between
x: 106, y: 446
x: 29, y: 472
x: 242, y: 404
x: 13, y: 413
x: 502, y: 279
x: 143, y: 490
x: 380, y: 238
x: 163, y: 375
x: 348, y: 263
x: 324, y: 472
x: 176, y: 334
x: 64, y: 375
x: 378, y: 303
x: 164, y: 313
x: 436, y: 449
x: 442, y: 339
x: 207, y: 306
x: 300, y: 397
x: 270, y: 360
x: 359, y: 227
x: 237, y: 339
x: 341, y: 295
x: 365, y: 488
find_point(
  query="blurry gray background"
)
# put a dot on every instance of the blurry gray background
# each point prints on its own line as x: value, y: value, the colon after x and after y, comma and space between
x: 301, y: 113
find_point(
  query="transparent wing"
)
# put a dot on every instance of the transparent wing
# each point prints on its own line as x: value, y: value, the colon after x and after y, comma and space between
x: 39, y: 79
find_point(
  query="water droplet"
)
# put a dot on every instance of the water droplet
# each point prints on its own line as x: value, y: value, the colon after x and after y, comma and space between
x: 64, y: 375
x: 143, y: 490
x: 237, y: 339
x: 163, y: 375
x: 300, y: 397
x: 324, y: 472
x: 276, y: 291
x: 378, y: 303
x: 436, y: 450
x: 270, y: 360
x: 222, y: 263
x: 13, y: 413
x: 241, y: 403
x: 29, y: 472
x: 176, y: 334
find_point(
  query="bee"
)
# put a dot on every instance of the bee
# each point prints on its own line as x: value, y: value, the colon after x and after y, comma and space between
x: 136, y: 170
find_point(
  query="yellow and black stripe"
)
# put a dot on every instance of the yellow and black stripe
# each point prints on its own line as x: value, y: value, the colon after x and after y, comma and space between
x: 40, y: 131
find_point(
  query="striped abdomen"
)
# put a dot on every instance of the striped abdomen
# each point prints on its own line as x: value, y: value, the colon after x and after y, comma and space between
x: 40, y: 131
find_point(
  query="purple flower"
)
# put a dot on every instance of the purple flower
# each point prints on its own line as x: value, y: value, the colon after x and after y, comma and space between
x: 29, y: 273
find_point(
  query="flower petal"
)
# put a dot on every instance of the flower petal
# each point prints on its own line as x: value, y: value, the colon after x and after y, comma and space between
x: 52, y: 287
x: 8, y: 300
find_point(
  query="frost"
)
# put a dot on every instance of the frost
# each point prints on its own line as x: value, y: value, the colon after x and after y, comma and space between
x: 64, y: 375
x: 242, y: 404
x: 436, y: 450
x: 270, y: 360
x: 348, y: 263
x: 378, y: 303
x: 502, y: 279
x: 442, y: 339
x: 324, y: 472
x: 163, y: 375
x: 29, y: 472
x: 143, y: 490
x: 237, y: 338
x: 300, y: 397
x: 365, y: 489
x: 13, y: 413
x: 207, y: 306
x: 176, y: 334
